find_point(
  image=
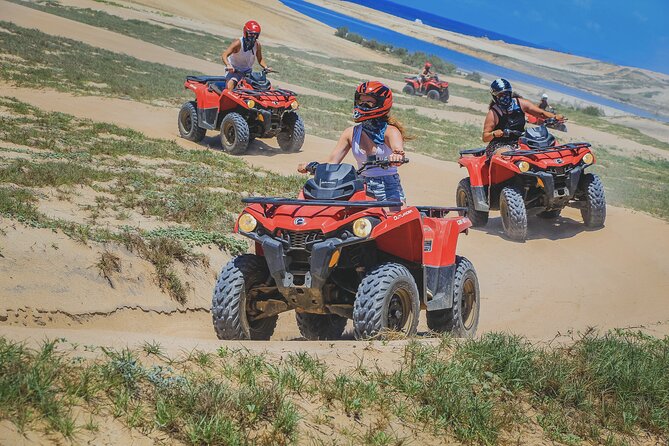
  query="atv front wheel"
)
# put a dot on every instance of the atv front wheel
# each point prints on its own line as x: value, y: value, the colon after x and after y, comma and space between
x: 445, y: 95
x: 408, y: 89
x: 514, y: 214
x: 291, y: 136
x: 464, y: 197
x: 433, y: 94
x: 234, y: 134
x: 188, y: 123
x: 387, y: 299
x: 462, y: 318
x: 234, y: 289
x: 594, y: 212
x: 320, y: 327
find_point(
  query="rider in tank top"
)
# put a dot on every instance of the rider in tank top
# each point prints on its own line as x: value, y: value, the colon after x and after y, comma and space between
x: 240, y: 56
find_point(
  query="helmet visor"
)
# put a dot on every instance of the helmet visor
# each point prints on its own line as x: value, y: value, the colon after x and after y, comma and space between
x: 365, y: 101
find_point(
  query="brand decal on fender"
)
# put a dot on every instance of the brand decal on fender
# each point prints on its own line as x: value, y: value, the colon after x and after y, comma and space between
x: 403, y: 214
x: 299, y: 221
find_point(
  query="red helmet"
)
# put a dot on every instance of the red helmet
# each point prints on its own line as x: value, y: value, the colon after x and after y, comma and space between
x: 382, y: 95
x: 251, y: 27
x: 428, y: 65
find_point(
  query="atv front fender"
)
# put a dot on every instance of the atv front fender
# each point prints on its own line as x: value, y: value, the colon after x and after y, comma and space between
x: 475, y: 166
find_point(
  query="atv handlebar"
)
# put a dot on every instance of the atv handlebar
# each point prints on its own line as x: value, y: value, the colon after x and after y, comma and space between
x: 383, y: 163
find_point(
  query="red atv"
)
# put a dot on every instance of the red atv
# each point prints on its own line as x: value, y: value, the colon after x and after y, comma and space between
x: 336, y: 254
x: 432, y: 87
x: 252, y: 110
x: 550, y: 122
x: 539, y: 174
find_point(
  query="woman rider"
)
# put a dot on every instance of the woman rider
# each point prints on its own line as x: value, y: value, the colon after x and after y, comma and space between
x: 240, y: 56
x: 375, y: 134
x: 507, y: 112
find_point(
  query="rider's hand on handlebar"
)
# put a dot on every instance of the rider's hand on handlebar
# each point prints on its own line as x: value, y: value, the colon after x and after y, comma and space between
x: 302, y: 167
x: 396, y: 159
x: 307, y: 167
x: 229, y: 69
x: 560, y: 118
x: 268, y: 69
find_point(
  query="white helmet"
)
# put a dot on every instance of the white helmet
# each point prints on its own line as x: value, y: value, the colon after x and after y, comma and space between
x: 544, y: 96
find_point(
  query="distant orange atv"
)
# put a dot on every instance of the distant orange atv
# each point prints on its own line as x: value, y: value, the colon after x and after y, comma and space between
x: 432, y: 87
x: 253, y: 109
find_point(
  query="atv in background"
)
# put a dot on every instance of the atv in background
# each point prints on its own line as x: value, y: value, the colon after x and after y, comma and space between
x: 550, y: 122
x: 539, y: 174
x: 336, y: 254
x: 432, y: 87
x: 253, y: 109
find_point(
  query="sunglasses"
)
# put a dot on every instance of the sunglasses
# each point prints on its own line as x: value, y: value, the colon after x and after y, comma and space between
x: 502, y: 93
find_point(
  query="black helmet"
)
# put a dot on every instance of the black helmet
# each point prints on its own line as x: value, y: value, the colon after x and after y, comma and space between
x: 501, y: 92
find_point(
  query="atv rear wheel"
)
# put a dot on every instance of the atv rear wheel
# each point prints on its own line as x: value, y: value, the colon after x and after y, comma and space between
x: 445, y: 95
x: 514, y: 214
x: 234, y: 134
x: 408, y: 89
x: 229, y: 306
x: 462, y: 319
x: 291, y: 136
x: 464, y: 197
x: 594, y: 212
x: 387, y: 299
x: 320, y: 327
x: 433, y: 94
x: 188, y: 123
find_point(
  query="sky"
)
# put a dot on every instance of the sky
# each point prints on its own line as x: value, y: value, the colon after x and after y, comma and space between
x: 625, y: 32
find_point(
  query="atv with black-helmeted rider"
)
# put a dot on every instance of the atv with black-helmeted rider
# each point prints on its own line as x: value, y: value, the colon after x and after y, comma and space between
x: 506, y: 115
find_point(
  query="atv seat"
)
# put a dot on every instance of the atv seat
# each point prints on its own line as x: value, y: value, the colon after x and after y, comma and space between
x: 217, y: 87
x: 537, y: 138
x: 206, y: 79
x: 333, y: 182
x: 475, y: 152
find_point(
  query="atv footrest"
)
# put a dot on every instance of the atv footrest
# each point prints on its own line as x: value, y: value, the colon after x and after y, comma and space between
x: 475, y: 152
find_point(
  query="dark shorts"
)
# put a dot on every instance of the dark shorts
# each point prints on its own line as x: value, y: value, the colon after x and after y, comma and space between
x: 236, y: 75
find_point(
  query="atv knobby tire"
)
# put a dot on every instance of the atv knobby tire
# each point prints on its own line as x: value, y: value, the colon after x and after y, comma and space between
x: 291, y: 136
x: 234, y: 134
x: 387, y: 300
x: 433, y: 94
x: 188, y: 123
x: 445, y: 95
x: 229, y: 303
x: 408, y: 89
x: 464, y: 197
x: 594, y: 212
x: 320, y: 327
x: 514, y: 214
x: 462, y: 319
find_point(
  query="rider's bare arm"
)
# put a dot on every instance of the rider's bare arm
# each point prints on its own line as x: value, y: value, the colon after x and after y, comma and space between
x: 490, y: 122
x: 395, y: 141
x: 534, y: 110
x: 234, y: 47
x: 338, y: 153
x: 259, y: 56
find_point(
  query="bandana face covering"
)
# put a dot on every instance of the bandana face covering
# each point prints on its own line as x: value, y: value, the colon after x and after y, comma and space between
x: 375, y: 129
x: 249, y: 42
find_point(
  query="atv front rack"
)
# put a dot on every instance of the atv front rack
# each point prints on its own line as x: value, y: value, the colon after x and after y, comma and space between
x: 570, y: 146
x: 278, y: 93
x: 275, y: 201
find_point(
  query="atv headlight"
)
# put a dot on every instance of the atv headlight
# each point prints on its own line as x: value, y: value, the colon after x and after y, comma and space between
x: 588, y: 158
x: 523, y: 166
x: 362, y: 227
x: 247, y: 222
x: 294, y: 105
x: 251, y: 103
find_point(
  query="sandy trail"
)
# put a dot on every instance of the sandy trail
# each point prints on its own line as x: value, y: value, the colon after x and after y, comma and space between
x: 562, y: 278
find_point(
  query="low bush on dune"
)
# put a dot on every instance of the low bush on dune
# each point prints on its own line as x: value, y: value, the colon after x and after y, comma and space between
x: 607, y: 388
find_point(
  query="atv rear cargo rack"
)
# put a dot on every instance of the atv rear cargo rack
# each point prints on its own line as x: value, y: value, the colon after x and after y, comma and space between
x: 277, y: 201
x: 569, y: 146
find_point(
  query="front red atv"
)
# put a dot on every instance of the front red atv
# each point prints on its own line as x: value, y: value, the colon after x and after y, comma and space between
x: 432, y: 87
x: 335, y: 254
x: 538, y: 175
x: 252, y: 110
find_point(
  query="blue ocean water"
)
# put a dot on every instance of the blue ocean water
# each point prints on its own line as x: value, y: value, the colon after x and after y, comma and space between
x: 461, y: 60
